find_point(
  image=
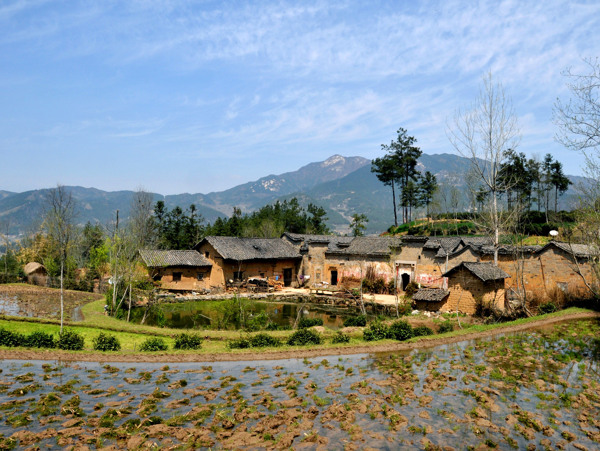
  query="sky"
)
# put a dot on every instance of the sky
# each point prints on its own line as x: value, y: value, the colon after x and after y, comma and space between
x: 200, y: 96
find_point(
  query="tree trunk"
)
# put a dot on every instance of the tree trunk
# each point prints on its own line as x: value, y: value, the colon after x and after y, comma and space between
x: 394, y: 199
x: 129, y: 311
x: 62, y: 305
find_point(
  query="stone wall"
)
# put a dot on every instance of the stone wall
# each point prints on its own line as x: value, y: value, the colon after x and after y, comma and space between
x: 466, y: 290
x: 191, y: 278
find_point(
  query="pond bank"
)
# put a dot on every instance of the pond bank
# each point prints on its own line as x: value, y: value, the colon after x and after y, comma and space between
x: 423, y: 343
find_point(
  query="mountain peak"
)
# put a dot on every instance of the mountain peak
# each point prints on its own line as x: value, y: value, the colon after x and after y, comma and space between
x: 334, y: 159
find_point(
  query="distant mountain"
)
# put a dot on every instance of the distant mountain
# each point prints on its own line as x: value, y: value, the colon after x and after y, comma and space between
x: 342, y: 185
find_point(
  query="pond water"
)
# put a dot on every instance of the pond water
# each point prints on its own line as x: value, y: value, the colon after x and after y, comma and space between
x: 206, y: 314
x: 540, y: 388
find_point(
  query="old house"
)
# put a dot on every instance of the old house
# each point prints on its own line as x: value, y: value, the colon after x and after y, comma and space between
x: 36, y: 274
x: 329, y: 260
x: 235, y: 259
x: 472, y: 284
x: 178, y: 270
x: 431, y: 299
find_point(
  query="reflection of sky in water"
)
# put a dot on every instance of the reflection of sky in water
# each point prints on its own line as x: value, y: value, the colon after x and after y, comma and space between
x: 448, y: 415
x: 10, y: 306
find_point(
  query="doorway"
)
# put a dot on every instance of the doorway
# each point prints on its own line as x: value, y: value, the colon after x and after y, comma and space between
x: 405, y: 281
x: 287, y: 277
x: 334, y: 277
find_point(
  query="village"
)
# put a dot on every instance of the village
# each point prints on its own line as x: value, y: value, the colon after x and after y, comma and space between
x: 448, y: 274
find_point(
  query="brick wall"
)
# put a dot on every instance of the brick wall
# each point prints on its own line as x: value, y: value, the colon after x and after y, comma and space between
x: 466, y: 290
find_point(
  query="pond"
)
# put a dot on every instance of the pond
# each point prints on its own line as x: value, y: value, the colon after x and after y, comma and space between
x: 540, y: 388
x: 209, y: 314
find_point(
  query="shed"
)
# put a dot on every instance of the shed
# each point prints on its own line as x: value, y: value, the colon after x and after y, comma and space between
x: 36, y: 274
x: 430, y: 298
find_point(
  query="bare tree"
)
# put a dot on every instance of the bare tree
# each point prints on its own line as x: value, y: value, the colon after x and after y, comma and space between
x: 60, y: 227
x: 578, y: 121
x: 484, y: 133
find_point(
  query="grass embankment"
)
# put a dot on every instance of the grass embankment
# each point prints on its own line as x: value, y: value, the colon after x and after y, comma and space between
x: 131, y: 336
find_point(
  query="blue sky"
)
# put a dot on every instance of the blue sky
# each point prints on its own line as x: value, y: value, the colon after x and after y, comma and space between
x: 199, y: 96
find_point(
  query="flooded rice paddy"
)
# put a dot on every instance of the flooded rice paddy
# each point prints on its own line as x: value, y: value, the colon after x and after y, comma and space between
x: 539, y: 389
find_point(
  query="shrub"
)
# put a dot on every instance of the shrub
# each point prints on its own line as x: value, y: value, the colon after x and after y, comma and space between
x: 376, y: 331
x: 309, y: 322
x: 405, y: 309
x: 446, y: 326
x: 240, y: 343
x: 340, y: 337
x: 263, y: 341
x: 187, y: 341
x: 411, y: 289
x: 272, y: 326
x: 401, y: 330
x: 304, y: 337
x: 154, y: 344
x: 70, y: 341
x: 355, y: 321
x: 547, y: 307
x: 105, y: 342
x: 422, y: 330
x: 11, y: 339
x: 40, y: 340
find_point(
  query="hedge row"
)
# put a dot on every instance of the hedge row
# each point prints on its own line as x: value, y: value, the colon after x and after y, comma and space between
x: 400, y: 330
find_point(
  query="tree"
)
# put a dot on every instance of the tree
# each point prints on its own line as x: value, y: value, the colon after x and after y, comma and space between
x: 484, y: 133
x: 427, y: 186
x: 559, y: 181
x: 411, y: 198
x: 358, y: 224
x: 60, y: 228
x: 316, y: 221
x: 578, y: 121
x: 387, y: 172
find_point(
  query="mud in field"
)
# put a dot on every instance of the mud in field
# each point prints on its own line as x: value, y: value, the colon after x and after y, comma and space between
x: 41, y: 302
x: 538, y: 388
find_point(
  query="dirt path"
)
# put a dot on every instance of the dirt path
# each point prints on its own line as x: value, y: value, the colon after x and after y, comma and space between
x: 53, y: 354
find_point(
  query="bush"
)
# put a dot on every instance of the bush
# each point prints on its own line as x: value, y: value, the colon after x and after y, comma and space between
x: 422, y: 331
x: 405, y: 309
x: 340, y: 337
x: 305, y: 323
x: 446, y: 326
x: 40, y: 340
x: 187, y: 341
x: 304, y: 337
x: 11, y: 339
x: 70, y: 341
x: 355, y: 321
x: 547, y: 307
x: 263, y: 341
x: 401, y: 330
x: 105, y: 342
x: 154, y: 344
x: 411, y: 289
x: 240, y: 343
x: 376, y: 331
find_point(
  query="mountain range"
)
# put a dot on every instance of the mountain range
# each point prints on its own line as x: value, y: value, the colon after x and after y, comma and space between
x: 342, y: 185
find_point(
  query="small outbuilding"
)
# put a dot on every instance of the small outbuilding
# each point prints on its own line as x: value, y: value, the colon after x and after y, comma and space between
x: 430, y: 299
x: 178, y: 270
x: 36, y: 274
x: 472, y: 284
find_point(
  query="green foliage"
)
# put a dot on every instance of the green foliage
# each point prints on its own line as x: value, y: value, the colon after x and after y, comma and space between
x: 264, y: 340
x: 304, y: 337
x: 187, y: 341
x: 405, y: 308
x: 422, y: 331
x: 340, y: 337
x: 355, y: 321
x: 358, y: 224
x: 40, y: 339
x: 411, y: 289
x: 153, y: 344
x: 240, y: 343
x: 446, y: 326
x: 376, y: 331
x: 70, y: 341
x: 11, y: 339
x: 258, y: 322
x: 309, y: 322
x: 105, y: 342
x: 400, y: 330
x: 547, y: 307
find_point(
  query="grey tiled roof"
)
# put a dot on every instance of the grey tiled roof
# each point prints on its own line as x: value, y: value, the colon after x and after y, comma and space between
x: 334, y: 242
x: 506, y: 249
x: 155, y: 258
x: 234, y: 248
x: 430, y: 294
x: 484, y: 271
x: 580, y: 250
x: 368, y: 245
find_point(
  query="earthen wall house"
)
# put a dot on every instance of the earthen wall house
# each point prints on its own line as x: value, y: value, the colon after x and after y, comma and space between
x: 178, y: 270
x: 235, y: 259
